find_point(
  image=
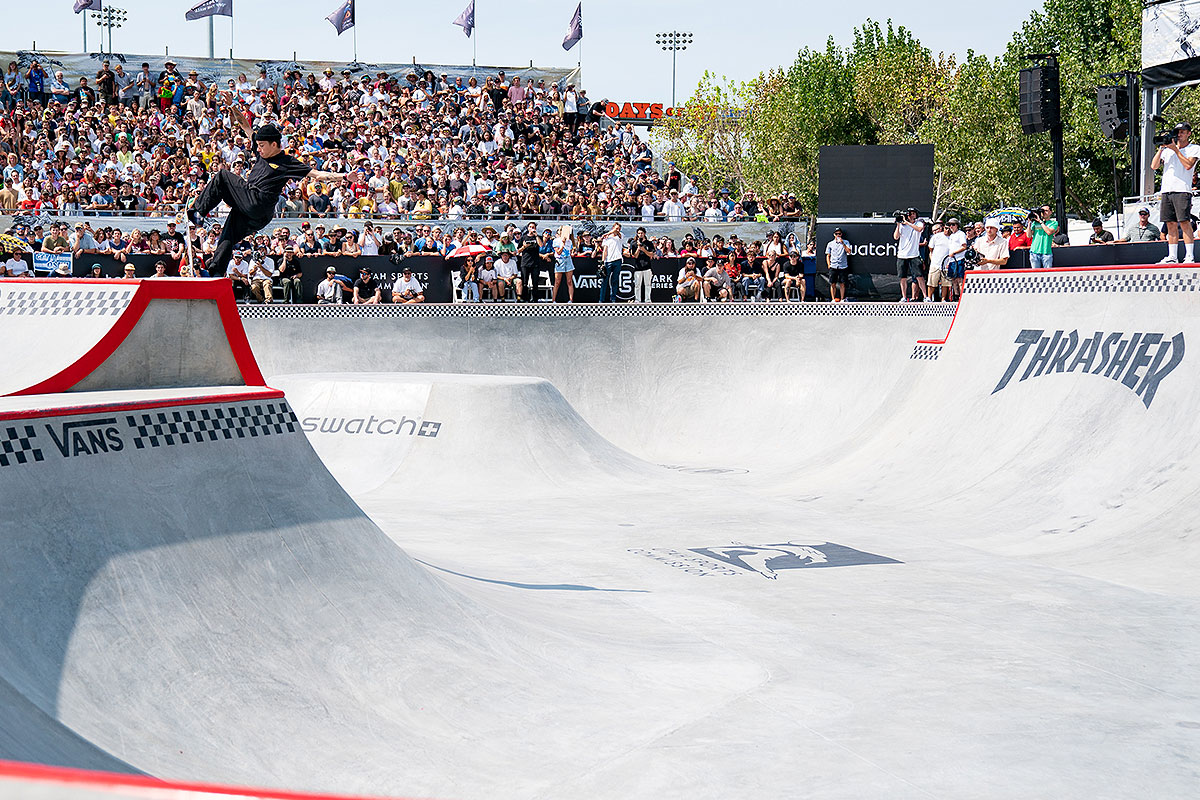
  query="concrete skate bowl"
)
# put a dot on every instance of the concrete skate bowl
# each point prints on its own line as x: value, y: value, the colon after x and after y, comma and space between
x: 615, y: 552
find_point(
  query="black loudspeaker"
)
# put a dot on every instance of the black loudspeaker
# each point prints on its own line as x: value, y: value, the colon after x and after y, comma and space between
x: 1039, y: 98
x: 1112, y: 103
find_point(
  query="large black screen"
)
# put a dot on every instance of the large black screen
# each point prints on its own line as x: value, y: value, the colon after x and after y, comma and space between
x: 859, y: 179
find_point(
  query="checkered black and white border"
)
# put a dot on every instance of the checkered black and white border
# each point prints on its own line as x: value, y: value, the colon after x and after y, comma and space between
x: 64, y: 302
x: 926, y: 352
x: 1165, y: 280
x: 17, y: 447
x: 193, y: 425
x: 592, y: 310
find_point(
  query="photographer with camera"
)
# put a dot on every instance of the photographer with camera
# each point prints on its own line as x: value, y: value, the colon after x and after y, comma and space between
x: 1042, y: 226
x: 1177, y: 158
x: 909, y: 264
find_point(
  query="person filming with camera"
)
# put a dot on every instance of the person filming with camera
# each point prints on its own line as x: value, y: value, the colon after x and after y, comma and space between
x: 1177, y: 158
x: 909, y: 263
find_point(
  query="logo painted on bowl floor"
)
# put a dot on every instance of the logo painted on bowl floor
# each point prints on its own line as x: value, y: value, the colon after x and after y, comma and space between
x: 770, y: 559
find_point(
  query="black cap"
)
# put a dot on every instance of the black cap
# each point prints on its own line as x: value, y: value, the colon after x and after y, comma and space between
x: 1183, y: 126
x: 268, y: 133
x: 837, y: 230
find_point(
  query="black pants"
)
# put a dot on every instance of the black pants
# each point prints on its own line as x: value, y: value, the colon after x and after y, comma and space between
x: 531, y: 276
x: 248, y: 214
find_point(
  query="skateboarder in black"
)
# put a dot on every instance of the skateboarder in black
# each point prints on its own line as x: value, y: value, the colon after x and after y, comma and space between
x: 252, y: 200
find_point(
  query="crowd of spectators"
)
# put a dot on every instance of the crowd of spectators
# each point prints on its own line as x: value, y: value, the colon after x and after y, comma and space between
x: 419, y: 146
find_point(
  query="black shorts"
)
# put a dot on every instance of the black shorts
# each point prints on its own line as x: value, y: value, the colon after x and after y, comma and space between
x: 910, y: 268
x: 839, y: 277
x: 1175, y: 206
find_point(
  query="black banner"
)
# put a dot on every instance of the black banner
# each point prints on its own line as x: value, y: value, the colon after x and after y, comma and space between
x: 873, y: 265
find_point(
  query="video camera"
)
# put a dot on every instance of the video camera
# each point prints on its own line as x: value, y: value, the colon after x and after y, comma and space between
x: 1167, y: 137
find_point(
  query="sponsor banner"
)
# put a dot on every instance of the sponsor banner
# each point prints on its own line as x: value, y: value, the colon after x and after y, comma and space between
x: 438, y: 276
x: 1138, y: 361
x: 76, y: 65
x: 25, y: 442
x: 50, y: 263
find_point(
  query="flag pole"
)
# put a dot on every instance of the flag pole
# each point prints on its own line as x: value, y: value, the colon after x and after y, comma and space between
x: 211, y: 39
x: 354, y: 6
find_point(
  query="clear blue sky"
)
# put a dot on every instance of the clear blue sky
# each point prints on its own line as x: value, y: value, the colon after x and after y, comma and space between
x: 620, y: 60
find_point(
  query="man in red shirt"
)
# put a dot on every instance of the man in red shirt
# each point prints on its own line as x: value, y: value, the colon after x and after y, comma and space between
x: 1020, y: 238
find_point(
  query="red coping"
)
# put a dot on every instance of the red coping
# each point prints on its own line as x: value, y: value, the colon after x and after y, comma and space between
x: 107, y: 780
x: 215, y: 289
x: 998, y: 272
x: 139, y: 405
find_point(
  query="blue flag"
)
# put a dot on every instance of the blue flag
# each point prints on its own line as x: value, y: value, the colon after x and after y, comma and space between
x: 576, y: 31
x: 466, y: 20
x: 210, y: 8
x: 343, y: 18
x: 88, y: 5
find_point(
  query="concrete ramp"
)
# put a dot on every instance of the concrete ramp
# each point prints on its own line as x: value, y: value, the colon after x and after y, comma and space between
x: 375, y: 429
x: 100, y: 335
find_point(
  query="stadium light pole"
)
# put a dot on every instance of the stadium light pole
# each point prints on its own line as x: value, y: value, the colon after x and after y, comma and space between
x: 673, y: 41
x: 109, y: 17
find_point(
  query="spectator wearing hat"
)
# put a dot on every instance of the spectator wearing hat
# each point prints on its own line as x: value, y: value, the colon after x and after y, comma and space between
x: 408, y: 289
x: 82, y: 241
x: 487, y: 276
x: 991, y: 247
x: 290, y: 275
x: 506, y: 273
x: 1144, y: 230
x: 1099, y: 235
x: 837, y: 257
x: 238, y: 273
x: 366, y: 289
x: 1177, y: 159
x: 330, y: 289
x: 688, y: 287
x: 262, y: 277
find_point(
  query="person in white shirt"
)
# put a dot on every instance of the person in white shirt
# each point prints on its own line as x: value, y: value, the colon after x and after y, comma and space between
x: 939, y: 255
x: 238, y: 271
x: 612, y: 249
x: 908, y: 253
x: 368, y: 240
x: 673, y: 209
x: 262, y: 271
x: 1177, y: 158
x: 506, y: 274
x: 991, y: 247
x: 408, y: 289
x: 15, y: 267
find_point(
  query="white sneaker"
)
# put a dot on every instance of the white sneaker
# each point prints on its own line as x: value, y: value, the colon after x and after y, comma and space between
x: 1169, y: 260
x: 903, y: 299
x: 928, y: 299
